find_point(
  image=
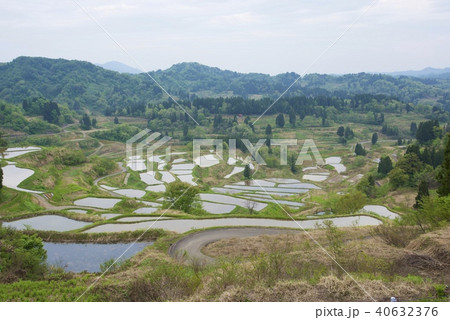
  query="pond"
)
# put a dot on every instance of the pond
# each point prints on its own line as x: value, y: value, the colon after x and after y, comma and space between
x: 77, y: 257
x: 225, y: 190
x: 109, y: 215
x: 13, y: 176
x: 235, y: 171
x: 15, y: 152
x: 130, y: 193
x: 336, y: 163
x: 183, y: 166
x: 47, y: 223
x: 167, y: 176
x: 299, y: 185
x: 103, y: 203
x: 255, y: 182
x: 315, y: 178
x: 188, y: 178
x: 77, y: 211
x: 145, y: 210
x: 156, y: 188
x: 217, y: 208
x: 280, y: 202
x: 206, y: 161
x: 282, y: 180
x: 181, y: 172
x: 138, y: 219
x: 231, y: 200
x: 149, y: 178
x: 381, y: 211
x: 269, y: 189
x: 184, y: 225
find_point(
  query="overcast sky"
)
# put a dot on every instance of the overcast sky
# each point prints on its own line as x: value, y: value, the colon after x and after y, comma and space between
x: 247, y: 36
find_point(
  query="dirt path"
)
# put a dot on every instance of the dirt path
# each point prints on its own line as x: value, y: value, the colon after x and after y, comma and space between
x: 192, y: 244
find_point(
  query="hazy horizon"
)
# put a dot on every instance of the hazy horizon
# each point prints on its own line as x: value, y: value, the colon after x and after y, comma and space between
x: 253, y: 36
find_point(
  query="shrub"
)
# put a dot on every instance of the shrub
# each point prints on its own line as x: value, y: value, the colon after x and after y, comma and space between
x: 396, y: 235
x: 103, y: 166
x: 349, y: 203
x: 73, y: 157
x: 21, y: 256
x: 180, y: 196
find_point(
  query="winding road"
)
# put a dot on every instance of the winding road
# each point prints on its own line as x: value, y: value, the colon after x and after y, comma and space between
x: 192, y: 244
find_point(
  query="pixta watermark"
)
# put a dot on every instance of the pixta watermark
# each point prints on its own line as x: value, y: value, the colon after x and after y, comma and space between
x: 141, y: 150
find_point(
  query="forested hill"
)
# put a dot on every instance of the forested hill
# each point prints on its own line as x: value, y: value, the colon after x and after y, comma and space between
x: 83, y: 85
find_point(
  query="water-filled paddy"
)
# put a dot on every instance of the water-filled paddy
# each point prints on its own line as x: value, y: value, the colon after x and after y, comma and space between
x: 47, y: 223
x: 77, y: 257
x: 184, y: 225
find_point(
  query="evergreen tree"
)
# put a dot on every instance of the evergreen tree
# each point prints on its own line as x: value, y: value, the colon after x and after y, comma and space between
x: 348, y: 133
x: 426, y: 156
x: 116, y: 120
x: 292, y: 117
x: 185, y: 131
x: 51, y: 112
x: 413, y: 128
x: 359, y: 150
x: 374, y: 138
x: 385, y: 165
x: 291, y: 162
x: 1, y: 177
x: 247, y: 172
x: 340, y: 131
x: 426, y: 131
x: 280, y: 120
x: 444, y: 174
x: 269, y: 130
x: 85, y: 122
x: 423, y: 192
x: 94, y: 123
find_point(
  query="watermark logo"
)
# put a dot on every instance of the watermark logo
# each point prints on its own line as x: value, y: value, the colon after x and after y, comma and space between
x: 138, y: 160
x: 308, y: 151
x: 141, y: 148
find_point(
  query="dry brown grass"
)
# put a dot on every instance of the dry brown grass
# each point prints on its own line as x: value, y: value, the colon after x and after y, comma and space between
x: 401, y: 198
x: 245, y: 247
x: 435, y: 244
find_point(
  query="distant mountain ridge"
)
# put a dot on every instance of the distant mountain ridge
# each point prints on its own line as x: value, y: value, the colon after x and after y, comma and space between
x: 81, y: 84
x: 119, y: 67
x: 424, y: 73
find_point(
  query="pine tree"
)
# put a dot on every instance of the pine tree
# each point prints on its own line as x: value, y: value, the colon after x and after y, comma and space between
x: 359, y: 150
x: 185, y: 131
x: 348, y: 133
x: 423, y: 192
x: 94, y: 123
x: 280, y: 120
x: 85, y: 122
x: 1, y: 177
x: 292, y: 117
x: 269, y: 130
x: 340, y: 131
x: 385, y: 165
x: 444, y: 174
x: 291, y: 161
x: 247, y: 172
x: 116, y: 120
x: 413, y: 128
x: 374, y: 138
